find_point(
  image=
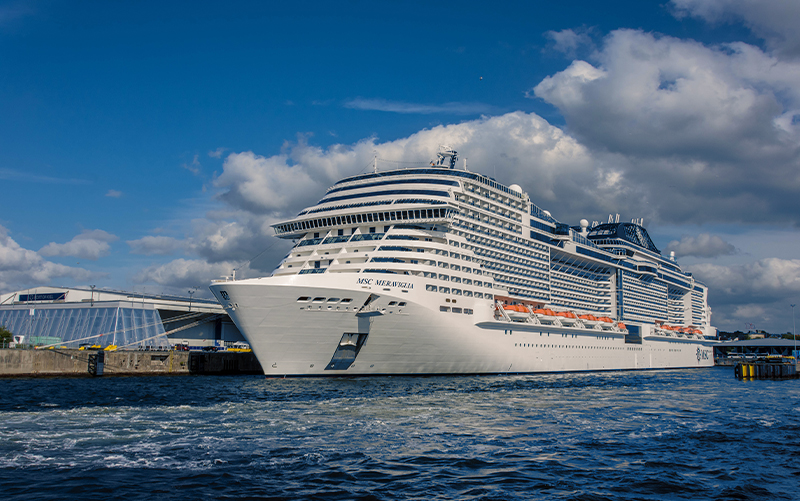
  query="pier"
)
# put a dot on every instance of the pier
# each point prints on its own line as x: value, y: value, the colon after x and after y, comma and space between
x: 767, y: 368
x: 73, y: 362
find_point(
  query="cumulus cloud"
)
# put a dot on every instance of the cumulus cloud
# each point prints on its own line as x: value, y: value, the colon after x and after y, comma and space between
x: 754, y: 293
x: 703, y: 133
x: 764, y: 280
x: 773, y: 20
x: 569, y: 41
x: 155, y: 245
x: 183, y: 273
x: 90, y: 244
x: 263, y: 184
x: 22, y: 268
x: 516, y: 148
x: 666, y: 129
x: 702, y: 245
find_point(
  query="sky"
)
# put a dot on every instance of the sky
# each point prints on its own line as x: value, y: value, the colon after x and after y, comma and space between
x: 149, y: 146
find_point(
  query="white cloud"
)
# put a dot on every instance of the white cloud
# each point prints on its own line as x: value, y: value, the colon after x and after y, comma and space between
x: 769, y: 278
x: 155, y: 245
x: 263, y: 184
x: 661, y: 128
x: 703, y: 133
x: 22, y: 268
x: 773, y: 20
x: 114, y: 193
x: 569, y: 41
x: 183, y: 273
x: 217, y: 153
x: 702, y: 245
x: 516, y: 148
x: 194, y: 167
x: 90, y: 244
x: 415, y: 108
x: 754, y: 293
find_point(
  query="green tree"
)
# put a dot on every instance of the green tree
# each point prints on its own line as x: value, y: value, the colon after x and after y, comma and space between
x: 5, y: 335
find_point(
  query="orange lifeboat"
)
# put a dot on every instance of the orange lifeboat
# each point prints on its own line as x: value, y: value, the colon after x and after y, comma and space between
x: 621, y: 326
x: 606, y: 320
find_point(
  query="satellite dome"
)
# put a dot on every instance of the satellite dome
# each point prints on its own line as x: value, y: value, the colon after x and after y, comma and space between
x: 584, y: 223
x: 515, y: 187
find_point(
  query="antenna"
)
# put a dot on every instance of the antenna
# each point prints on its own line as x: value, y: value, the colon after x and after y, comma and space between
x: 374, y: 161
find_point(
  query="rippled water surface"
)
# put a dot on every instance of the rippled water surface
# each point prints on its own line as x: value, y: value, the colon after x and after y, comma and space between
x: 690, y: 434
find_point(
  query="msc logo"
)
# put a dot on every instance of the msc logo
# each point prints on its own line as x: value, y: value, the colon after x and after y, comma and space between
x: 226, y: 298
x: 702, y: 354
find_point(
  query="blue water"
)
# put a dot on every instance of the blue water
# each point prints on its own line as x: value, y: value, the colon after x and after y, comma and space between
x: 682, y: 434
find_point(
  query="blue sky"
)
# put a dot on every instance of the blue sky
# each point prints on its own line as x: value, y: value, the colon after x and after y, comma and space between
x: 149, y: 145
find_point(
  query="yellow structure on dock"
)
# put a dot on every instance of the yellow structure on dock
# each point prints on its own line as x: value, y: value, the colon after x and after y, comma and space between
x: 767, y: 368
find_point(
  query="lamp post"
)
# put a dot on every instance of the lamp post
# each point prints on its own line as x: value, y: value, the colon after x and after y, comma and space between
x: 191, y: 292
x: 794, y: 332
x: 92, y: 300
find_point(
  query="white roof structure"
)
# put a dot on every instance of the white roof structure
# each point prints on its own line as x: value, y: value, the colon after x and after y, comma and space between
x: 71, y: 317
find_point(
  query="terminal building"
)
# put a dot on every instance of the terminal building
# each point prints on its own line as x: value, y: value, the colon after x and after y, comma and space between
x: 75, y: 317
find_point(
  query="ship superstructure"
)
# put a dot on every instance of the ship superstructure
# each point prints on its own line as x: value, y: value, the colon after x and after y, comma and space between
x: 389, y: 259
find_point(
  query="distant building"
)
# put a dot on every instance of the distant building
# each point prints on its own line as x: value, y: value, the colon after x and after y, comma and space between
x: 755, y: 347
x: 71, y: 317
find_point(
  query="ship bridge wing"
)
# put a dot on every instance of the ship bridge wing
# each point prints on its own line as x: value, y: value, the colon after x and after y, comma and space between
x: 629, y: 232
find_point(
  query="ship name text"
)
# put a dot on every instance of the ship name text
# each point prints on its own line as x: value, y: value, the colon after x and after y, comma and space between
x: 385, y: 283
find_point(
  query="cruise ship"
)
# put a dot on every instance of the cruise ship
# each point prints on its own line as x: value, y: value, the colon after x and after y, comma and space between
x: 439, y: 270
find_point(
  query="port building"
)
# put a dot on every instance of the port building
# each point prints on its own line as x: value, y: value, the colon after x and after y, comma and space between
x: 74, y: 317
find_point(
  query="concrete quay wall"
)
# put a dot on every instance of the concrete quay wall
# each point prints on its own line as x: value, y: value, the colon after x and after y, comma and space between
x: 67, y: 362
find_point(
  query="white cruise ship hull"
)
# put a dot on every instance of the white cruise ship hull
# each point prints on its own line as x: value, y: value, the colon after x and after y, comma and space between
x: 298, y: 326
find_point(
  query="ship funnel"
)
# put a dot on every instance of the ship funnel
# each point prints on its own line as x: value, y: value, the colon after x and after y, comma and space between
x: 447, y: 157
